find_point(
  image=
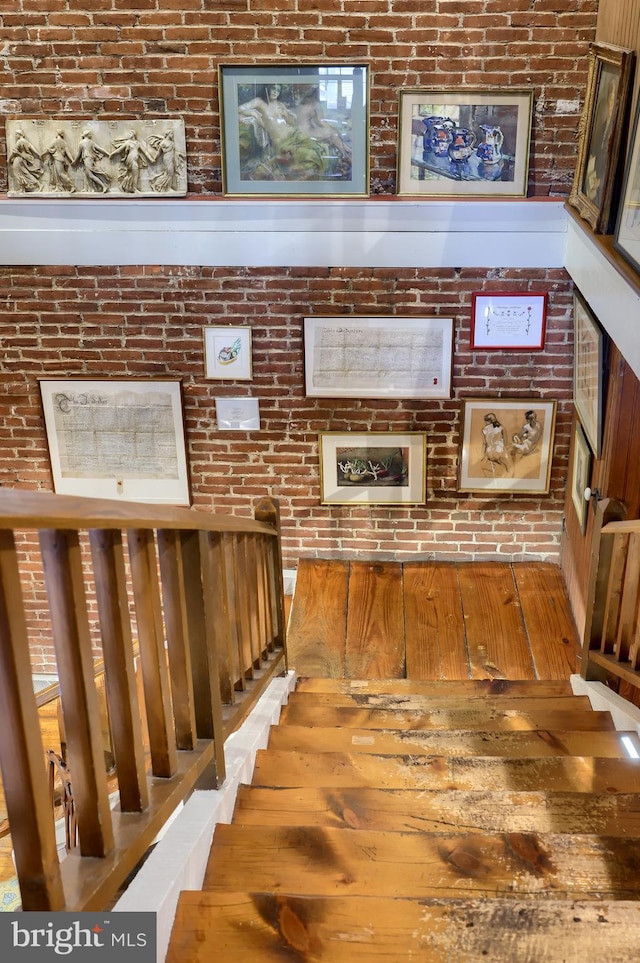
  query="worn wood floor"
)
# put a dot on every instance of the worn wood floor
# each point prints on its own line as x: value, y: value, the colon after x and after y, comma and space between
x: 431, y: 620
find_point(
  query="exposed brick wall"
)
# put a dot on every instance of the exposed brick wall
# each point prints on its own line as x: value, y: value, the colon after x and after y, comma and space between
x: 158, y: 58
x: 135, y: 322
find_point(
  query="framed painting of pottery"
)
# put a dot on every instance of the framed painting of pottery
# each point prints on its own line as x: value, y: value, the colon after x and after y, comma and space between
x: 507, y: 445
x: 295, y: 130
x: 602, y: 136
x: 373, y: 468
x: 508, y: 322
x: 379, y: 357
x: 52, y: 157
x: 464, y: 142
x: 627, y: 234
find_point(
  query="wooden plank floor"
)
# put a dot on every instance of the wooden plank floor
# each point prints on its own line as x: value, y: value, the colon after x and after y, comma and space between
x: 431, y: 620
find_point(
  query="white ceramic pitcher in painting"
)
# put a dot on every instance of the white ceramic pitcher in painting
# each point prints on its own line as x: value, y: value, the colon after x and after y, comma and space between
x: 490, y: 150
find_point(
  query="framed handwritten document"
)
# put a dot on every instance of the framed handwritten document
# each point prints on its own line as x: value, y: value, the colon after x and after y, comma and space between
x: 508, y: 322
x: 117, y: 439
x: 379, y: 357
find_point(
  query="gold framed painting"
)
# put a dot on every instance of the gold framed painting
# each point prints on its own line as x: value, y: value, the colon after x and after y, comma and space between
x: 507, y: 445
x: 601, y: 135
x: 464, y: 142
x: 295, y: 130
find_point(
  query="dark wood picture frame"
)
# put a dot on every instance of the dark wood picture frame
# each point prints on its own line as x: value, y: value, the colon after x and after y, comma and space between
x: 601, y: 136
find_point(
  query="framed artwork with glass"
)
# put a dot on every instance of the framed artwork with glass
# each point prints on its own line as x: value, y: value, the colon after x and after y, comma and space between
x: 294, y: 130
x: 373, y: 468
x: 464, y: 142
x: 507, y: 445
x: 602, y: 131
x: 627, y: 234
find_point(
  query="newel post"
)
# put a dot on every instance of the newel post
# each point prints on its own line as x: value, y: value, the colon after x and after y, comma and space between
x: 267, y: 511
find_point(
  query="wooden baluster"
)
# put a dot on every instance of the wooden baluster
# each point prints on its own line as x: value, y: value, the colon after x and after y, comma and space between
x: 119, y: 665
x: 64, y: 580
x: 216, y: 597
x: 614, y: 593
x: 176, y: 626
x: 607, y: 510
x: 265, y: 593
x: 207, y: 635
x: 242, y: 597
x: 24, y: 775
x: 268, y: 512
x: 252, y: 600
x: 628, y: 619
x: 230, y: 556
x: 153, y: 658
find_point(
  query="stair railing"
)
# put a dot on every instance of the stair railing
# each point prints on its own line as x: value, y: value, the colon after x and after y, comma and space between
x: 611, y: 642
x: 201, y: 598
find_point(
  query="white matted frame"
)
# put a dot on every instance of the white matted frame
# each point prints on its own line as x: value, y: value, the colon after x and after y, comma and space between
x: 295, y: 130
x: 373, y: 468
x: 588, y: 372
x: 510, y: 322
x: 378, y: 357
x: 507, y: 445
x: 238, y: 414
x: 227, y: 353
x: 580, y: 475
x: 117, y: 439
x: 464, y: 142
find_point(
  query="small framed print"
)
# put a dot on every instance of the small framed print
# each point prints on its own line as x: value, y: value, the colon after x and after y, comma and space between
x: 507, y: 445
x: 227, y: 353
x: 238, y: 414
x: 627, y: 235
x: 588, y: 372
x: 295, y: 130
x: 580, y: 475
x: 374, y: 468
x: 508, y: 322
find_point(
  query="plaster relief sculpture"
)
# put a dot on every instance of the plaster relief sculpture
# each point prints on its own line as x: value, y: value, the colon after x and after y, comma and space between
x: 54, y: 158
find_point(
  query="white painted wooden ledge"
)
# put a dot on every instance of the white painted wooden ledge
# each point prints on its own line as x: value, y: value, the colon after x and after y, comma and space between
x: 368, y: 232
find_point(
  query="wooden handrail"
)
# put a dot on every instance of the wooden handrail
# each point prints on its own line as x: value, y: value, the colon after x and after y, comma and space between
x: 202, y: 597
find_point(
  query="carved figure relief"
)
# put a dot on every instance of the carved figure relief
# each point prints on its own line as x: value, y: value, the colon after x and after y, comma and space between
x: 53, y: 158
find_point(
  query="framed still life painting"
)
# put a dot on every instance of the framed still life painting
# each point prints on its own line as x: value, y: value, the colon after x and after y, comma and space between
x: 373, y: 468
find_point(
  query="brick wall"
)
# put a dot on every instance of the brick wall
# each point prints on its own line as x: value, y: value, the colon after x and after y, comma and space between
x: 158, y: 58
x: 146, y: 322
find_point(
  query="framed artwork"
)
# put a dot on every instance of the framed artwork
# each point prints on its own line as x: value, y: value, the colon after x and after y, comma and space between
x: 464, y: 142
x: 507, y: 445
x: 508, y: 322
x: 588, y: 372
x: 601, y: 135
x: 238, y: 414
x: 295, y: 130
x: 379, y: 357
x: 627, y: 234
x: 227, y: 353
x: 117, y: 439
x: 580, y: 475
x: 374, y: 468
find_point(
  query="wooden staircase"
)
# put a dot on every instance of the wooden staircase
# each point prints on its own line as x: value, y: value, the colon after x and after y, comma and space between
x: 444, y: 821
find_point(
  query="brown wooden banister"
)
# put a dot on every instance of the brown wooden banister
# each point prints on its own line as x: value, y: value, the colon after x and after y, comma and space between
x: 611, y: 644
x: 201, y: 597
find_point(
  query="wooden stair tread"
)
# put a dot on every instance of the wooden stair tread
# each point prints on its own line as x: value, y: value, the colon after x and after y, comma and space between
x: 525, y: 742
x: 476, y: 687
x: 453, y: 702
x: 485, y: 718
x: 324, y: 861
x: 438, y: 811
x: 266, y: 927
x: 337, y: 769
